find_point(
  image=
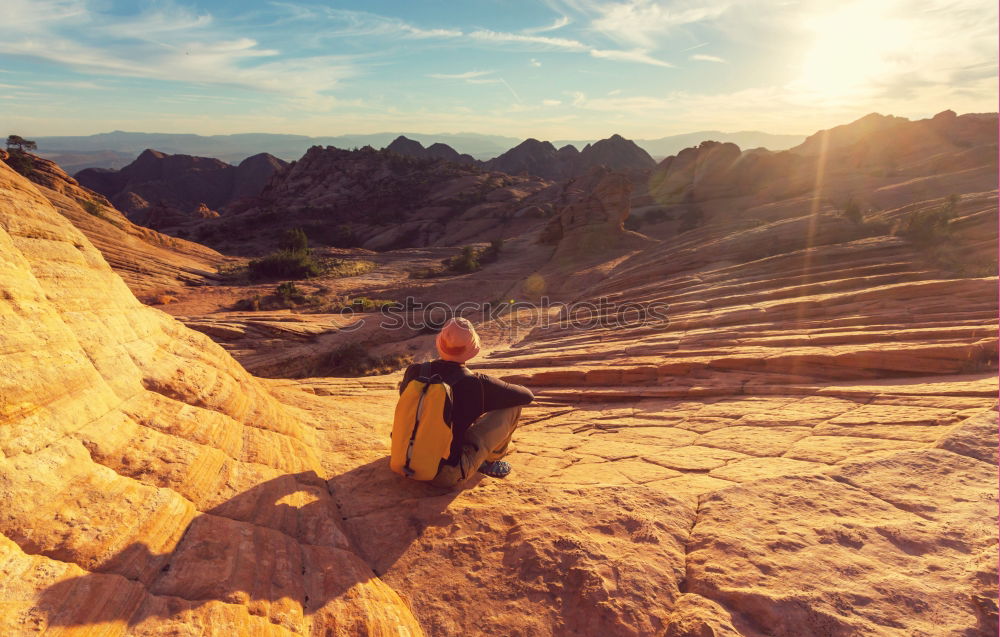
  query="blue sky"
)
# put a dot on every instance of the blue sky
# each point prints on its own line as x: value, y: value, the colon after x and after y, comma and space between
x: 553, y: 69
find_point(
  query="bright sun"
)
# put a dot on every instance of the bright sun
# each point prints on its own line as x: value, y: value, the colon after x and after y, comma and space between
x: 853, y: 47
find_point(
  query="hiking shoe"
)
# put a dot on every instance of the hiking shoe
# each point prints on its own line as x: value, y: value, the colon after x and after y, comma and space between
x: 495, y: 469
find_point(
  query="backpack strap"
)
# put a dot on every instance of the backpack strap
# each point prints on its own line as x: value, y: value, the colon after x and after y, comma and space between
x: 425, y: 371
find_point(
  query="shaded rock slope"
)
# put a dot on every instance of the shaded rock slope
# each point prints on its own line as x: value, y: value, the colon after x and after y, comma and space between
x: 162, y: 191
x: 864, y: 155
x: 379, y: 200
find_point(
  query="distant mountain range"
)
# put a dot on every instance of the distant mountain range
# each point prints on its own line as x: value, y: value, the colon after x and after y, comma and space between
x: 119, y: 148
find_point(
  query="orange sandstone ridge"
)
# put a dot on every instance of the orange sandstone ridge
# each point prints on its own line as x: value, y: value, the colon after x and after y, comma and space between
x: 808, y: 447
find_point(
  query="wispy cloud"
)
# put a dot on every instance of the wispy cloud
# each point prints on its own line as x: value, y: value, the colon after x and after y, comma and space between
x: 78, y: 84
x: 513, y: 93
x: 501, y: 37
x: 363, y: 24
x: 468, y: 75
x: 701, y: 57
x: 642, y: 57
x: 170, y: 44
x: 558, y: 24
x: 551, y: 102
x: 641, y: 24
x: 692, y: 48
x: 534, y: 62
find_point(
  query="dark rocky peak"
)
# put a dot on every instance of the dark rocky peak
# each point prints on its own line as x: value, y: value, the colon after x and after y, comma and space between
x: 438, y: 150
x: 617, y: 153
x: 532, y: 157
x: 407, y: 147
x: 253, y: 172
x: 261, y: 160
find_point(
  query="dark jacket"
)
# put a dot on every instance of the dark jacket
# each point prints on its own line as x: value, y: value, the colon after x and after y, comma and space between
x: 474, y: 395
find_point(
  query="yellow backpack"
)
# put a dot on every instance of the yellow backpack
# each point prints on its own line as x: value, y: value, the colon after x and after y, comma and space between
x: 422, y: 426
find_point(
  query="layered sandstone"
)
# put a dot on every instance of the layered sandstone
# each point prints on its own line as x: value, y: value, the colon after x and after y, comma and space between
x: 148, y: 261
x: 148, y: 484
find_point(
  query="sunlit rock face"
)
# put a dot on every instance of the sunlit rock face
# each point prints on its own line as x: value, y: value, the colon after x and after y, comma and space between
x: 148, y: 484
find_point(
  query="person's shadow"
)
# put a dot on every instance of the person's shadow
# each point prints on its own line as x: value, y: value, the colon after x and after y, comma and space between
x: 283, y: 550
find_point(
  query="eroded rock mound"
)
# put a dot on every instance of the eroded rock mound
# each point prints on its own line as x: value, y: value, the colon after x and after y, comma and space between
x: 405, y: 146
x: 147, y: 260
x: 148, y: 484
x: 164, y: 191
x: 378, y: 200
x: 541, y: 158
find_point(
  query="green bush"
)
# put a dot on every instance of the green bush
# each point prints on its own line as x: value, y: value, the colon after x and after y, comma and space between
x: 932, y: 226
x: 288, y: 293
x: 358, y: 304
x: 348, y: 267
x: 284, y: 264
x: 467, y: 261
x: 92, y: 207
x: 295, y: 240
x: 21, y: 163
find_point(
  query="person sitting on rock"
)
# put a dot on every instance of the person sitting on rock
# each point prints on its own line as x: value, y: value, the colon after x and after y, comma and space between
x: 485, y: 410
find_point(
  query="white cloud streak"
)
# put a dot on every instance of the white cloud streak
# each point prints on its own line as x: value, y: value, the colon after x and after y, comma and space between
x: 468, y: 75
x: 641, y: 57
x: 702, y: 57
x: 544, y: 42
x: 558, y: 24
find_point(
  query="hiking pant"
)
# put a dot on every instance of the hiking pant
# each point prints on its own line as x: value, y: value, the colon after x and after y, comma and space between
x: 486, y: 439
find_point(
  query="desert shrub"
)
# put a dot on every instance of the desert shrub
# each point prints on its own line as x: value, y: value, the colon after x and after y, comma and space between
x: 164, y: 299
x: 633, y: 222
x: 852, y: 212
x: 92, y: 207
x: 254, y: 303
x: 659, y: 215
x: 21, y: 163
x: 928, y: 226
x: 426, y: 273
x: 691, y: 219
x: 289, y: 293
x: 295, y: 240
x: 980, y: 360
x: 284, y: 264
x: 285, y: 296
x: 348, y: 267
x: 467, y: 261
x: 353, y: 359
x: 492, y: 252
x: 356, y: 304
